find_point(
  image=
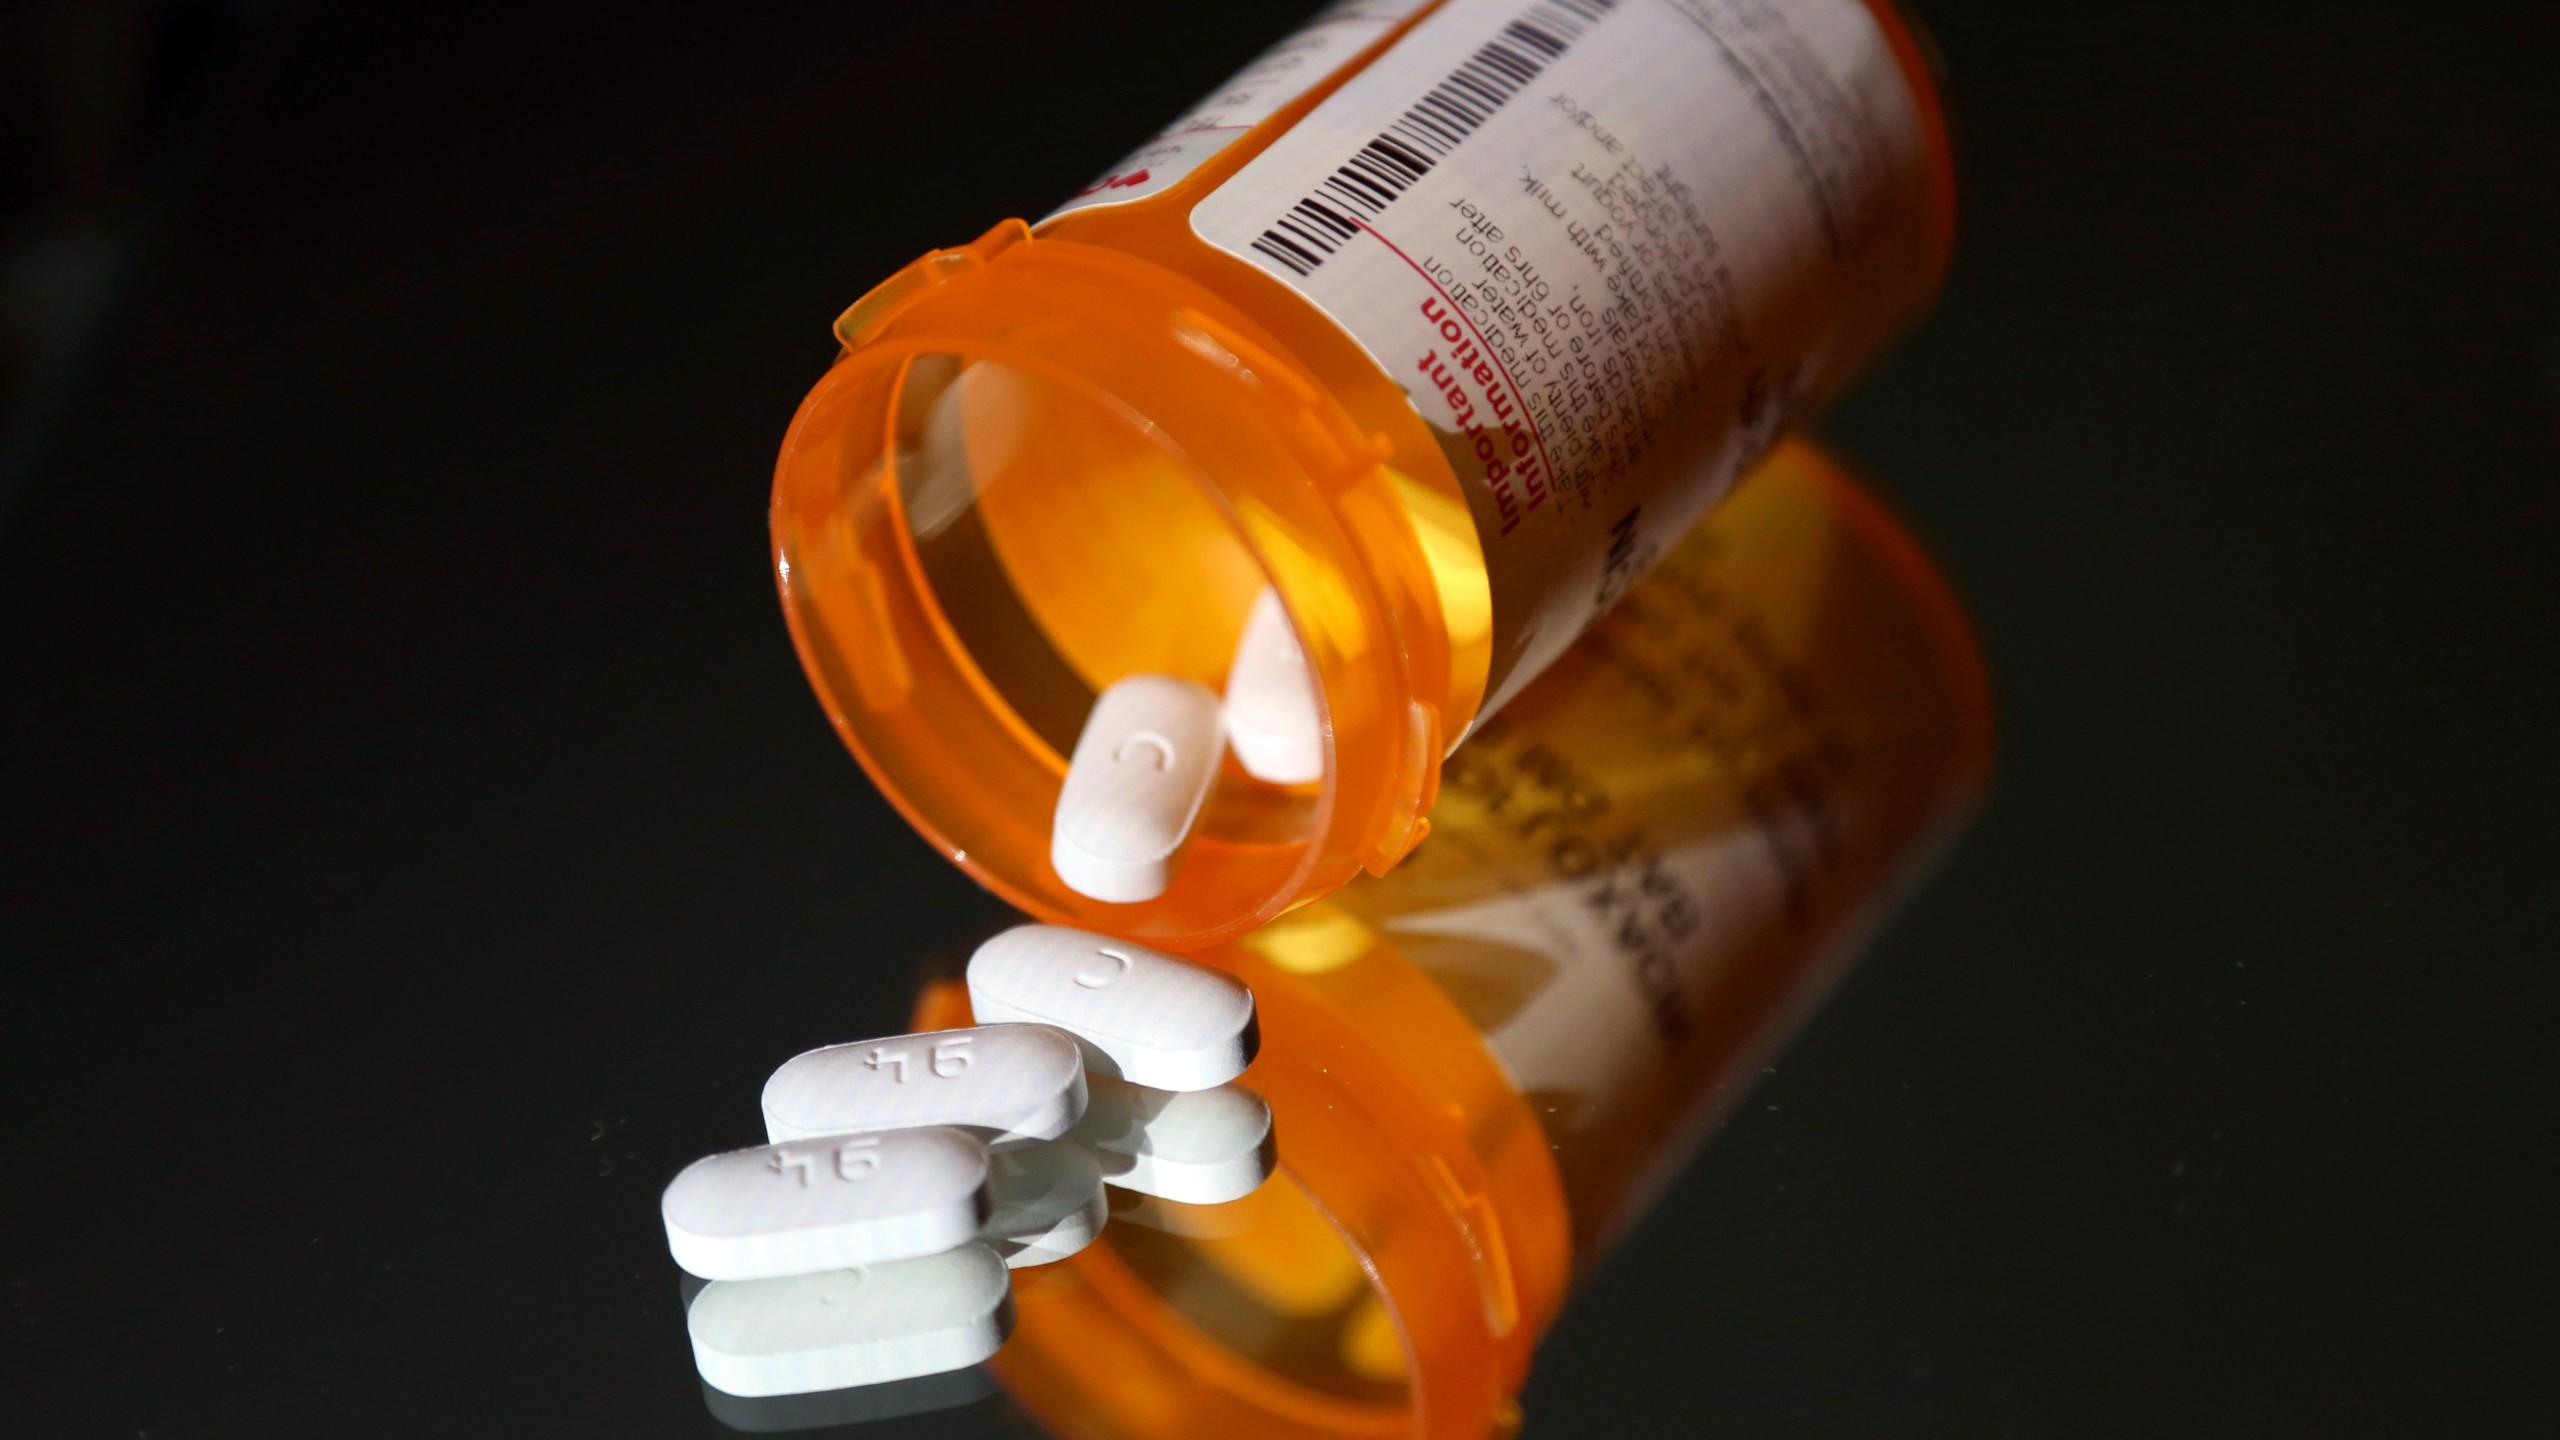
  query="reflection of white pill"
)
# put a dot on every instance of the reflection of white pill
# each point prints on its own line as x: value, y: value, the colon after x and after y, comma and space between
x: 1272, y: 719
x: 1048, y: 1202
x: 1202, y: 1147
x: 825, y: 1204
x: 863, y: 1326
x: 1141, y: 769
x: 859, y: 1405
x: 1143, y: 1016
x: 1173, y: 1217
x: 1005, y: 1084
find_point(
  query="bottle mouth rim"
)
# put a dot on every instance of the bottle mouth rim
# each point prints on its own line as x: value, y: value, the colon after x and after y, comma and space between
x: 941, y: 740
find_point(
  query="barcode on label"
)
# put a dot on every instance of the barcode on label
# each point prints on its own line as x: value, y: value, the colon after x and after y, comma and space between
x: 1386, y: 167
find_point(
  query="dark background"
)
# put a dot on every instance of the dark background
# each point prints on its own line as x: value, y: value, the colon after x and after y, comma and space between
x: 419, y: 841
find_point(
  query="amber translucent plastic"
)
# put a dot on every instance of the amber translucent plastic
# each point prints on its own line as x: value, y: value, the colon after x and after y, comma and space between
x: 1468, y: 1206
x: 1302, y: 494
x: 1206, y: 430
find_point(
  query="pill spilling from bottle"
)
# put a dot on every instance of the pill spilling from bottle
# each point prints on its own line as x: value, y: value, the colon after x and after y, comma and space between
x: 1149, y: 753
x: 1140, y: 1015
x: 871, y: 1240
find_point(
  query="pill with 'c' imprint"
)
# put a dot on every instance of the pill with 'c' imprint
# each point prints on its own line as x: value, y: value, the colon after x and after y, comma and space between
x: 1142, y: 1015
x: 1140, y: 771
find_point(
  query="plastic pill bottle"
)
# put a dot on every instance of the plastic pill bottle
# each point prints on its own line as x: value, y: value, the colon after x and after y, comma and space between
x: 1442, y: 320
x: 1482, y: 1067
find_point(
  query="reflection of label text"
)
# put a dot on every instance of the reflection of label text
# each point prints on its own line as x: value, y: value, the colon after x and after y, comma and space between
x: 1538, y: 796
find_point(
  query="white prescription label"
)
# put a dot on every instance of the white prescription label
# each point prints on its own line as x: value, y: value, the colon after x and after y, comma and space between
x: 1606, y: 246
x: 1252, y: 95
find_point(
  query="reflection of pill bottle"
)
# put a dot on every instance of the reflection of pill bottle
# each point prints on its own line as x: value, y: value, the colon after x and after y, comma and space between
x: 1444, y: 320
x: 1482, y: 1066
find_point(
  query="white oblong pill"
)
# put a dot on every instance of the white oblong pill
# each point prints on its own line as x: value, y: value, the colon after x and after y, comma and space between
x: 1273, y: 722
x: 1201, y: 1147
x: 862, y: 1326
x: 1143, y: 1016
x: 827, y: 1203
x: 1140, y: 770
x: 1173, y: 1217
x: 1047, y: 1203
x: 1005, y: 1084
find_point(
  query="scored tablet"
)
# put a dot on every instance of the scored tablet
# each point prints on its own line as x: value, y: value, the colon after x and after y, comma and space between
x: 1143, y: 764
x: 1005, y: 1084
x: 826, y: 1203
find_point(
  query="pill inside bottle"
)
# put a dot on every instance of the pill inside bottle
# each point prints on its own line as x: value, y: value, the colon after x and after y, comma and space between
x: 1143, y: 764
x: 794, y: 1208
x: 1274, y: 721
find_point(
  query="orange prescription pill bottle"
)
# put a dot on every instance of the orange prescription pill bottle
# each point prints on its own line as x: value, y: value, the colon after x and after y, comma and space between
x: 1482, y: 1067
x: 1440, y: 320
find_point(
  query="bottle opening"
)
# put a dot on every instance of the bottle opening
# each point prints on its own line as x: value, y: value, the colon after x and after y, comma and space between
x: 1064, y: 544
x: 990, y: 545
x: 1069, y: 547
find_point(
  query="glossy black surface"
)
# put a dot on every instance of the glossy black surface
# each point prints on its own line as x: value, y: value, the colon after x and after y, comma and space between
x: 419, y: 840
